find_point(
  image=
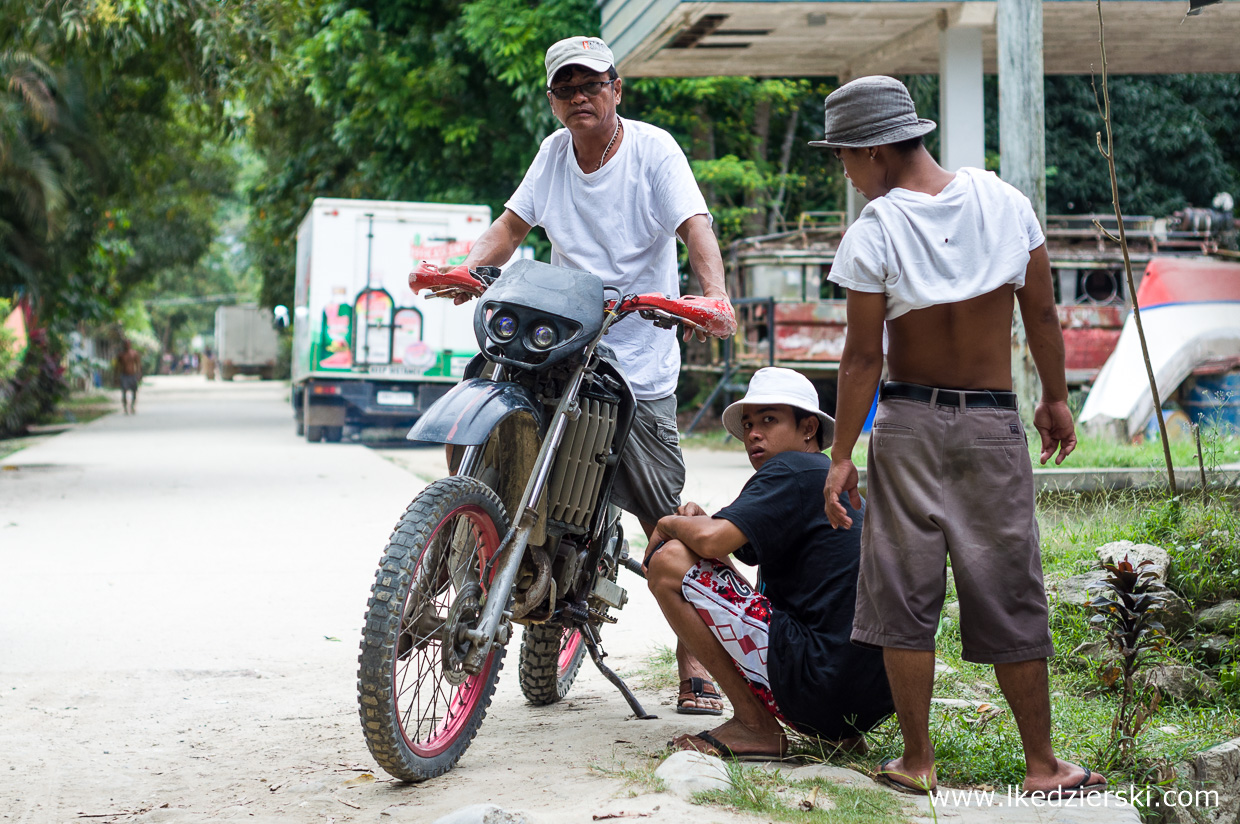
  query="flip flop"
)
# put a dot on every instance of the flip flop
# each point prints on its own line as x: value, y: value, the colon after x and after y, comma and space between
x: 889, y: 779
x: 1080, y: 789
x: 722, y: 750
x: 695, y: 689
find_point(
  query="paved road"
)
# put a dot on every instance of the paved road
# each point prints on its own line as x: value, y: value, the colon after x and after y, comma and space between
x: 180, y: 606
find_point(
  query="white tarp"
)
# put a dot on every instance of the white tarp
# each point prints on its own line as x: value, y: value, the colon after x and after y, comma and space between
x: 1181, y: 336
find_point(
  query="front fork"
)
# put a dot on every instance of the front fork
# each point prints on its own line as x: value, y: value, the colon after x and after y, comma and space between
x: 495, y: 613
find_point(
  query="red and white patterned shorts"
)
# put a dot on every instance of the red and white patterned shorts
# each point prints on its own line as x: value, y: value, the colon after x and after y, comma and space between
x: 739, y: 617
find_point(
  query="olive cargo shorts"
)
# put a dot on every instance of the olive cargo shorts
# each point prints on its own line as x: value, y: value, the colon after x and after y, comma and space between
x: 943, y: 482
x: 651, y: 474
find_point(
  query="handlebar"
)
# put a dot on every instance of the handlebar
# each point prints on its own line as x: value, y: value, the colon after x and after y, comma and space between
x: 714, y: 316
x: 459, y: 280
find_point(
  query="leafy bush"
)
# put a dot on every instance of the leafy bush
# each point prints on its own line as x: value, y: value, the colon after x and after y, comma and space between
x: 1204, y: 544
x: 35, y: 387
x: 8, y: 353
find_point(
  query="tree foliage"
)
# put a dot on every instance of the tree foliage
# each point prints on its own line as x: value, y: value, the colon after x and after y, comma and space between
x: 122, y: 123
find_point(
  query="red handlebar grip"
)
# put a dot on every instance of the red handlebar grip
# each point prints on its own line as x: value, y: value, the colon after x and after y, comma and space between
x: 428, y: 276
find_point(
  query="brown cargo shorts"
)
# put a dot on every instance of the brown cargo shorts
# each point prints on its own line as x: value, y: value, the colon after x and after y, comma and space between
x: 951, y: 482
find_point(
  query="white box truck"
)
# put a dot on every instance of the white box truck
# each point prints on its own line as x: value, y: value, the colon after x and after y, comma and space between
x: 246, y: 342
x: 367, y: 351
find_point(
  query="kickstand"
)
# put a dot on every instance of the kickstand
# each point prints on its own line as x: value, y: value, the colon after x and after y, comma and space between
x: 597, y: 655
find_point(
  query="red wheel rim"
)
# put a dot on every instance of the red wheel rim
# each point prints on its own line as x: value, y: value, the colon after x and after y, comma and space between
x: 430, y: 711
x: 570, y: 642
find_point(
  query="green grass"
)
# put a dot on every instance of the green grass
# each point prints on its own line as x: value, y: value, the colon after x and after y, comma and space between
x: 981, y: 748
x: 659, y: 670
x: 778, y: 797
x: 9, y: 446
x: 641, y: 776
x: 1091, y: 452
x: 80, y: 409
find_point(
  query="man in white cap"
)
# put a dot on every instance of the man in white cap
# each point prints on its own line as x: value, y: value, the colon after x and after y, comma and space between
x: 940, y: 258
x: 781, y: 653
x: 613, y: 196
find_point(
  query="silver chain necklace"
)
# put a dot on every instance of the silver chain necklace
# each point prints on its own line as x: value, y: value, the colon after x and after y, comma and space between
x: 610, y: 143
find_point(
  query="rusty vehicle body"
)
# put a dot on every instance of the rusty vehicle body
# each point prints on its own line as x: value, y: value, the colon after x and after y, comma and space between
x: 789, y: 314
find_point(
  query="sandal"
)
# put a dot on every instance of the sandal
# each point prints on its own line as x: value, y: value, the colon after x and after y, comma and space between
x: 697, y: 689
x: 917, y: 787
x: 721, y: 750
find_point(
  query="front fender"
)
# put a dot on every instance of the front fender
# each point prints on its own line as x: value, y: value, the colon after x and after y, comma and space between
x: 468, y: 414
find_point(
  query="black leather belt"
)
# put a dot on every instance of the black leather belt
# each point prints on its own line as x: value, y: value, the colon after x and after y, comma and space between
x: 971, y: 399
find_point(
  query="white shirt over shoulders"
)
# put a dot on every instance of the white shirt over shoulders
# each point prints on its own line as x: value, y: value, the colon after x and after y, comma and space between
x: 619, y: 223
x: 924, y: 250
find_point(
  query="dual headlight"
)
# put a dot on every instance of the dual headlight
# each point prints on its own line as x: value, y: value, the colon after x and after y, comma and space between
x: 504, y: 327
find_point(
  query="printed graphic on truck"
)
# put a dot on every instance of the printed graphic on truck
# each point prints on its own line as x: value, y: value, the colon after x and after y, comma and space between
x: 369, y: 329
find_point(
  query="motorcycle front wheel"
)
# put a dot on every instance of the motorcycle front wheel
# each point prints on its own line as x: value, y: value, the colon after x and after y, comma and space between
x: 419, y: 707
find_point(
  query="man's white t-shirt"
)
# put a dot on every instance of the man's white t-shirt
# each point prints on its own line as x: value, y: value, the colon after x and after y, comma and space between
x: 619, y: 223
x: 924, y: 250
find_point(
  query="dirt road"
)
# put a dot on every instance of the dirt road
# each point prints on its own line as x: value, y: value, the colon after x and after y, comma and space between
x: 180, y: 608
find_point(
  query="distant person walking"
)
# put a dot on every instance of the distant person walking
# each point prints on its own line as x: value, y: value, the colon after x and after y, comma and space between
x: 129, y: 367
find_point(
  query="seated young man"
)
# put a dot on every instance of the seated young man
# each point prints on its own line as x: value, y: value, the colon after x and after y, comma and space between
x: 781, y: 653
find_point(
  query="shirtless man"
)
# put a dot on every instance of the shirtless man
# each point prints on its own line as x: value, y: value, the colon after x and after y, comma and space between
x: 940, y: 257
x: 129, y: 366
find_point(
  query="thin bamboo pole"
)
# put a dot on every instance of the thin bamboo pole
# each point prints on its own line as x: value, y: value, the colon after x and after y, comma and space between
x: 1109, y: 153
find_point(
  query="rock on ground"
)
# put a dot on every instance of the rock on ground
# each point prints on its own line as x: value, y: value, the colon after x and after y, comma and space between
x: 1220, y: 618
x: 1117, y: 551
x: 482, y: 814
x: 1215, y: 771
x: 685, y: 773
x: 1179, y: 683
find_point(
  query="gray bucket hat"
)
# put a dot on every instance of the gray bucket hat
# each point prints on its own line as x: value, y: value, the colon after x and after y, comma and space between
x: 590, y: 52
x: 870, y: 111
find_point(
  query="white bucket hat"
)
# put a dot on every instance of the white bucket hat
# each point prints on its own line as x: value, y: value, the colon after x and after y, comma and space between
x: 776, y: 385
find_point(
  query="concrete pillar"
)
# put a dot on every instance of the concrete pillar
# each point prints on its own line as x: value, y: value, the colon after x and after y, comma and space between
x: 962, y: 122
x: 1022, y: 149
x: 1022, y: 108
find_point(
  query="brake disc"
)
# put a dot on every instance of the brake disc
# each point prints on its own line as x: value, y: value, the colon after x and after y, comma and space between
x: 462, y: 617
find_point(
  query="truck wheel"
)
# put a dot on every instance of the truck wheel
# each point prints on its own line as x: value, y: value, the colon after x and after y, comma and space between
x: 299, y: 415
x: 227, y: 373
x: 314, y: 434
x: 333, y: 434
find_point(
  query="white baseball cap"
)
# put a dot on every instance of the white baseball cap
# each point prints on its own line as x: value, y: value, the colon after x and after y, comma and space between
x: 776, y: 385
x: 590, y: 52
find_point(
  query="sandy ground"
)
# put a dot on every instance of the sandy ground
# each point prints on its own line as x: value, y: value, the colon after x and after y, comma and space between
x: 181, y: 601
x: 180, y: 609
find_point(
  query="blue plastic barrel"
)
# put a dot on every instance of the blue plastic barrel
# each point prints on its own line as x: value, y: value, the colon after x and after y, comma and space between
x: 1213, y: 400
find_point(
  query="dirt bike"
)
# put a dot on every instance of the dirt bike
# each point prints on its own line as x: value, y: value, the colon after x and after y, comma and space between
x: 523, y: 531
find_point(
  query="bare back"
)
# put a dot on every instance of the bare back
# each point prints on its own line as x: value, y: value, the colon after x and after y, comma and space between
x: 130, y: 362
x: 964, y: 345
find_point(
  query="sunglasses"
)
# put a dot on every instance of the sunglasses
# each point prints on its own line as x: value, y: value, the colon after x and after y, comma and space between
x: 590, y: 89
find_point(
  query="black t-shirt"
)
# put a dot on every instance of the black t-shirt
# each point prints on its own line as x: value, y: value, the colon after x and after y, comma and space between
x: 823, y: 683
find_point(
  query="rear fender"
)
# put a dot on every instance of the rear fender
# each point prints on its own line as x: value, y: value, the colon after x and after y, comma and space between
x: 468, y: 414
